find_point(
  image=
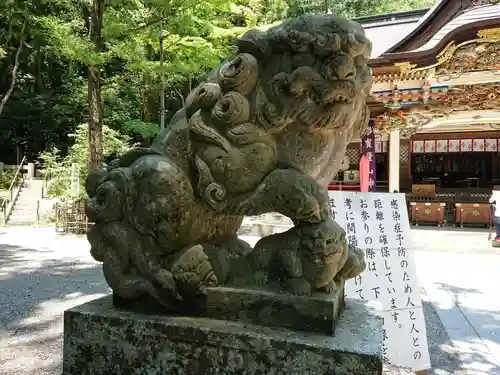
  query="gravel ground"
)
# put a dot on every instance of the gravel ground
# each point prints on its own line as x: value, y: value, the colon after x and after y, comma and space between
x: 40, y: 277
x: 42, y: 274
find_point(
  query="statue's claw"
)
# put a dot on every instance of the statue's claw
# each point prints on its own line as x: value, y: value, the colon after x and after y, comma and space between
x: 299, y: 287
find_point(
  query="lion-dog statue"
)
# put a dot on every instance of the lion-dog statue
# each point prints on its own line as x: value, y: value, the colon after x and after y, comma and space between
x: 266, y: 132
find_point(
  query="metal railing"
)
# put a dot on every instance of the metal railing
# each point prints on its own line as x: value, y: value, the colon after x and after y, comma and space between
x: 13, y: 191
x: 3, y: 208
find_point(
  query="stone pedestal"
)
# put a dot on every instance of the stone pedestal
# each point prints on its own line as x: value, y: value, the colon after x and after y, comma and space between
x: 318, y: 313
x: 100, y: 339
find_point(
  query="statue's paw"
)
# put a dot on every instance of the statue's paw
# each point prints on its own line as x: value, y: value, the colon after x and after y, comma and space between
x: 166, y: 281
x: 188, y: 283
x: 97, y: 253
x: 299, y: 287
x: 307, y: 206
x: 330, y: 288
x: 194, y: 261
x: 310, y: 211
x: 354, y: 265
x: 361, y: 263
x: 260, y: 278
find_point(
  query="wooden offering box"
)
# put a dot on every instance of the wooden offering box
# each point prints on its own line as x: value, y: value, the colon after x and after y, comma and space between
x: 423, y: 190
x: 427, y: 212
x: 473, y: 213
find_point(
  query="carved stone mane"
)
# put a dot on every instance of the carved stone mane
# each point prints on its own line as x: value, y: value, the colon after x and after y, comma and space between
x: 265, y: 133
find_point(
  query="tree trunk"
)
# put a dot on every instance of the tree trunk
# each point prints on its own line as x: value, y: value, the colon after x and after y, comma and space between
x: 96, y: 157
x: 15, y: 68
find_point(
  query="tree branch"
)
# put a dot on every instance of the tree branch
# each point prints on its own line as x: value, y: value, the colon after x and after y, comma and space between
x: 9, y: 35
x: 151, y: 22
x: 180, y: 96
x: 15, y: 68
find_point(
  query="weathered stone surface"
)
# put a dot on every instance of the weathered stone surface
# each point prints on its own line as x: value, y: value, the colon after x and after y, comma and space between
x: 101, y: 340
x: 266, y: 132
x: 317, y: 313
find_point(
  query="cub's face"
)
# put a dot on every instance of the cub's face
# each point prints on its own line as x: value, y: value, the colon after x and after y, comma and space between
x: 323, y: 252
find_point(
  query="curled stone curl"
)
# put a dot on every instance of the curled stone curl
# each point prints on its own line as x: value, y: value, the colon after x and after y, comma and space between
x: 231, y: 109
x: 239, y: 74
x: 204, y: 97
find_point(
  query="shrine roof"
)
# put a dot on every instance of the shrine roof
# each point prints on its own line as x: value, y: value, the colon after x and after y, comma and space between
x: 385, y: 30
x: 468, y: 17
x: 448, y: 20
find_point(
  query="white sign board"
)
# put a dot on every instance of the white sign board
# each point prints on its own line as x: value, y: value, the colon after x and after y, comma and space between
x: 378, y: 223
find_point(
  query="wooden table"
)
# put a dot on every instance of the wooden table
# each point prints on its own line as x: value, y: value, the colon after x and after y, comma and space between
x: 473, y: 213
x: 427, y: 212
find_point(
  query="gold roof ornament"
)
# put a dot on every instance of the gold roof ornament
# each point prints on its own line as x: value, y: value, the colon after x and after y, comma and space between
x: 489, y: 34
x: 476, y: 3
x: 405, y: 67
x: 447, y: 53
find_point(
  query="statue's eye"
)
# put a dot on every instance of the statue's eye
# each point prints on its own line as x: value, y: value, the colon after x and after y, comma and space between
x: 294, y: 36
x: 360, y: 61
x: 101, y: 195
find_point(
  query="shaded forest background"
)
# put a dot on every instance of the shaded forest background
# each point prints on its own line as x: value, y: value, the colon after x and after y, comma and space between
x: 73, y: 69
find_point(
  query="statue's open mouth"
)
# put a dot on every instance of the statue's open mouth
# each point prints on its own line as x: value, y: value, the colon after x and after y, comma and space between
x: 340, y: 92
x: 343, y: 99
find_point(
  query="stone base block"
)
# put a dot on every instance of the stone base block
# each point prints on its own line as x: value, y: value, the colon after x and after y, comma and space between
x: 101, y: 340
x: 317, y: 313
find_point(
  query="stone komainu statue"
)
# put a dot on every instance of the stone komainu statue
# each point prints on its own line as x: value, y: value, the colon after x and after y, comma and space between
x: 265, y: 133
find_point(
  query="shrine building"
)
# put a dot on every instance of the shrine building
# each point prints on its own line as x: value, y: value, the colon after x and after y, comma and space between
x: 435, y: 104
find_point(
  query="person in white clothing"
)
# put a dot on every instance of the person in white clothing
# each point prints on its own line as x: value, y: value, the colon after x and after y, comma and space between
x: 496, y: 219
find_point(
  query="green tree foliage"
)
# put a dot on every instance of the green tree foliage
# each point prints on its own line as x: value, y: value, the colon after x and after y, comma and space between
x: 6, y: 177
x: 127, y: 64
x: 59, y: 167
x: 48, y: 48
x: 44, y: 100
x: 354, y: 8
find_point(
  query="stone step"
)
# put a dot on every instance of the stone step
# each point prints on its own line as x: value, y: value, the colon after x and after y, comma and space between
x: 25, y: 206
x: 30, y: 218
x: 26, y: 196
x: 22, y: 214
x: 22, y: 198
x: 23, y: 195
x: 30, y: 207
x: 22, y: 203
x: 25, y: 202
x: 20, y: 223
x: 24, y: 211
x: 16, y: 214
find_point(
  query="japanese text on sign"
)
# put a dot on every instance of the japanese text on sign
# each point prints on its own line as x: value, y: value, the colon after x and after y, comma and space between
x: 378, y: 224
